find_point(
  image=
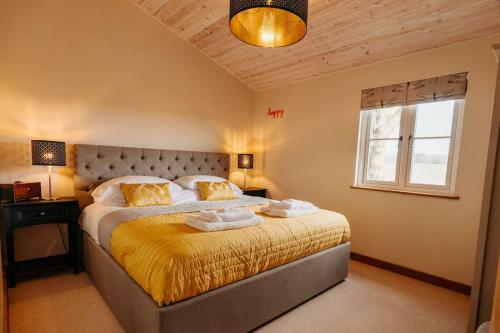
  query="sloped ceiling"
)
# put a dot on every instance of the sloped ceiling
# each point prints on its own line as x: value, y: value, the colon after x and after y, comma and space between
x: 341, y: 34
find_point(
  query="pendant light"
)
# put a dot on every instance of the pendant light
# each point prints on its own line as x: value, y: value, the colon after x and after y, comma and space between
x: 268, y: 23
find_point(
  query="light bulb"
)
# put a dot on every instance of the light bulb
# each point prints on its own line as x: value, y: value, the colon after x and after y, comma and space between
x: 267, y: 36
x: 48, y: 156
x: 267, y: 29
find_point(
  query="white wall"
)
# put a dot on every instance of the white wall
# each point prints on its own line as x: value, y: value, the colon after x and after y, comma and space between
x: 311, y: 154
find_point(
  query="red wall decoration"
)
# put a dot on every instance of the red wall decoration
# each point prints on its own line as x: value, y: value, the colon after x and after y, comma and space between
x: 276, y: 114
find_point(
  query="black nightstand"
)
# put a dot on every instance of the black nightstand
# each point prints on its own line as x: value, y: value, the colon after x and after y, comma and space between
x: 254, y: 191
x: 35, y: 212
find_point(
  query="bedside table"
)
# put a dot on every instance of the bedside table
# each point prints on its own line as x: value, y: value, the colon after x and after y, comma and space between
x: 254, y: 191
x: 34, y: 212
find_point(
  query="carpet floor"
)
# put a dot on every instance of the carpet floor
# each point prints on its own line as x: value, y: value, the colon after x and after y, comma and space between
x: 370, y: 300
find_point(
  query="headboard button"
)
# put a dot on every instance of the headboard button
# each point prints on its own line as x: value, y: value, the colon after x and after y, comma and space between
x: 199, y: 169
x: 168, y: 168
x: 111, y: 167
x: 152, y: 168
x: 132, y: 167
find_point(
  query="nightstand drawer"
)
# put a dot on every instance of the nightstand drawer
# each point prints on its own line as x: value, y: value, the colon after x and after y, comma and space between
x: 41, y: 214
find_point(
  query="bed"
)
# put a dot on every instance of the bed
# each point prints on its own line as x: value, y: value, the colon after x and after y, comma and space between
x: 240, y: 304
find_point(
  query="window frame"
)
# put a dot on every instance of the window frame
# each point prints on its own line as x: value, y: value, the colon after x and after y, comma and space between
x: 404, y: 159
x: 366, y: 144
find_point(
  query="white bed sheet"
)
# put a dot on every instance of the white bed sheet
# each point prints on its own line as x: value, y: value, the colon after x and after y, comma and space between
x: 92, y: 214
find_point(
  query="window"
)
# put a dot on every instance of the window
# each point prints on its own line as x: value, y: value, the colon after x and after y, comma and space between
x: 412, y: 148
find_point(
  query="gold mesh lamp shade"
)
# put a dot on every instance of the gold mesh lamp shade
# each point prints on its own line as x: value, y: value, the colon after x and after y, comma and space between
x: 245, y: 161
x: 48, y: 153
x: 268, y: 23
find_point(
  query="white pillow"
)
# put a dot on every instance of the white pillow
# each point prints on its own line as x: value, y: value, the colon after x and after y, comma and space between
x: 185, y: 196
x: 189, y: 182
x: 110, y: 192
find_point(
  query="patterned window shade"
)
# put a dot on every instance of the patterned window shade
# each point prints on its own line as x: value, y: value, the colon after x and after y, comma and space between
x: 421, y: 91
x: 440, y: 88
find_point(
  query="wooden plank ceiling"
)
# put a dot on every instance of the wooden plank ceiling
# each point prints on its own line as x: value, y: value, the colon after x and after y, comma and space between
x: 341, y: 34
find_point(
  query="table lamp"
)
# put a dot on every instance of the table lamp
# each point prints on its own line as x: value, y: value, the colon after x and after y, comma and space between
x: 48, y: 153
x: 245, y: 161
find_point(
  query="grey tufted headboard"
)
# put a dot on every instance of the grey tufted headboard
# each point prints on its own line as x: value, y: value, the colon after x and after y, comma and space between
x: 95, y: 164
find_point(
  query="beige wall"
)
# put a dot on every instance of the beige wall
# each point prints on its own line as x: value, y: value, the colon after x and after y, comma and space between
x: 488, y: 247
x: 311, y: 154
x: 104, y: 72
x: 3, y: 300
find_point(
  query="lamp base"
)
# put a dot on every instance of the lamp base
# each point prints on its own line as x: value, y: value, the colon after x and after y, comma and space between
x: 50, y: 198
x: 245, y: 179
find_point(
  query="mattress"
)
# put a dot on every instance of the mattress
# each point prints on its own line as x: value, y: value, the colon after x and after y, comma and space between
x: 173, y: 262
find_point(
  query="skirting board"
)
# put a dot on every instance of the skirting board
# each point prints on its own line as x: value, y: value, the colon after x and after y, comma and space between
x: 432, y: 279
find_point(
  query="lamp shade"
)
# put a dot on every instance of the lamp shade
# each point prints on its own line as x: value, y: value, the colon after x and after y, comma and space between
x: 268, y: 23
x: 48, y: 153
x: 245, y: 161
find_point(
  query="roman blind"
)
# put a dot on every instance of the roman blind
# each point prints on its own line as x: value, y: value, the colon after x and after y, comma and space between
x: 435, y: 89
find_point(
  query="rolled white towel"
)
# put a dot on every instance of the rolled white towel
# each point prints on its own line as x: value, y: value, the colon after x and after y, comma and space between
x: 226, y: 215
x: 276, y: 212
x: 229, y: 210
x: 292, y: 204
x: 197, y: 223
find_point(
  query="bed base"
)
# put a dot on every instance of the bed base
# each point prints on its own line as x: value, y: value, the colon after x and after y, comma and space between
x: 238, y: 307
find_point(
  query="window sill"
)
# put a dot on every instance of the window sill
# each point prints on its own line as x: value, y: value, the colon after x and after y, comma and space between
x: 434, y: 195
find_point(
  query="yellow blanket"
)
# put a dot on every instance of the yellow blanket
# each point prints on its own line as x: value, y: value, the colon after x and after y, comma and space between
x: 173, y: 262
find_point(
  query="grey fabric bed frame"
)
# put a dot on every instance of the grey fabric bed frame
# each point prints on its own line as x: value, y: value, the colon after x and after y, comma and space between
x: 238, y: 307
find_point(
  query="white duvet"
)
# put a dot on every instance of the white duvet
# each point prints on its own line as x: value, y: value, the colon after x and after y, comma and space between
x: 184, y: 201
x: 92, y: 214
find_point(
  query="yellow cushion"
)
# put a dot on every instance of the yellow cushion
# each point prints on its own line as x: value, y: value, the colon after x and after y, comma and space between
x: 213, y: 191
x: 141, y: 195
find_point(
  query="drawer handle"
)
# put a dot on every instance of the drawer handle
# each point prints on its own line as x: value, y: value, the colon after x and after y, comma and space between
x: 42, y: 214
x: 28, y: 188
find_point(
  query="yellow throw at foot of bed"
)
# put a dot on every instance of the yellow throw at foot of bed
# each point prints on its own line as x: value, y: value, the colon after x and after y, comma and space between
x: 173, y: 262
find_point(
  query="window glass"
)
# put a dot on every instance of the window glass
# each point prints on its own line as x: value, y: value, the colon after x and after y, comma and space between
x: 382, y: 160
x: 434, y: 119
x: 429, y: 161
x: 385, y: 123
